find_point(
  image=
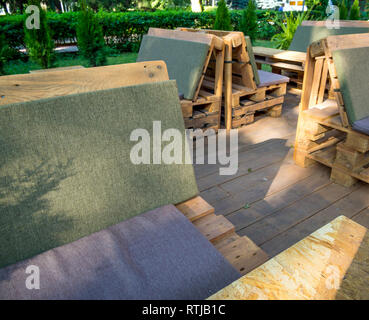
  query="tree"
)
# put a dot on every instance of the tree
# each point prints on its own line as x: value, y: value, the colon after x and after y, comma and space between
x: 40, y: 46
x: 249, y: 21
x: 4, y: 53
x: 355, y: 11
x: 343, y: 10
x: 90, y: 38
x: 222, y: 19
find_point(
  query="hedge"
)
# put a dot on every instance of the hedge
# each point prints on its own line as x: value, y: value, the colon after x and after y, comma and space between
x: 123, y: 30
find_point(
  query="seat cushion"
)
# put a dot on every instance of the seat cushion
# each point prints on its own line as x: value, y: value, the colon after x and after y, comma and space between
x: 156, y: 255
x: 269, y: 78
x: 66, y: 169
x: 362, y: 125
x: 185, y: 60
x: 352, y: 69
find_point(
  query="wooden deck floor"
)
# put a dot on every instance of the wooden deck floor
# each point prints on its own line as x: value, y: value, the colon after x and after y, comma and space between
x: 270, y: 199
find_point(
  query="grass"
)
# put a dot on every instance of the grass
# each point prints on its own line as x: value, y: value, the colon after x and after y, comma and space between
x: 264, y: 43
x: 66, y: 60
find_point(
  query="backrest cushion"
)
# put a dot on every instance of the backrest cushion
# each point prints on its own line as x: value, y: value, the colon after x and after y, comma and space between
x: 185, y: 60
x: 353, y: 75
x: 65, y: 167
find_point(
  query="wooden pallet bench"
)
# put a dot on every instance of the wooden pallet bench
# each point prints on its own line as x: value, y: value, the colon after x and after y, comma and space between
x: 240, y: 90
x: 291, y: 62
x: 331, y: 263
x: 203, y: 111
x: 241, y: 252
x: 324, y: 133
x: 287, y: 62
x: 246, y: 103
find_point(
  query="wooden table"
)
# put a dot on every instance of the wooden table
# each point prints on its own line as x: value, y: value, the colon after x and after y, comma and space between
x: 331, y: 263
x: 293, y: 62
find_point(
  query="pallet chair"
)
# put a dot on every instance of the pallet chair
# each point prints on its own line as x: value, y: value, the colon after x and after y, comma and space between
x: 329, y: 264
x: 246, y: 89
x: 292, y: 61
x: 189, y: 60
x: 333, y: 121
x: 71, y: 196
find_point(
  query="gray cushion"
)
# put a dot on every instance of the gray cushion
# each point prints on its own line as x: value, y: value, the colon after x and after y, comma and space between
x: 156, y: 255
x: 65, y: 167
x: 362, y: 125
x: 185, y: 60
x: 269, y: 78
x: 305, y: 35
x: 352, y: 69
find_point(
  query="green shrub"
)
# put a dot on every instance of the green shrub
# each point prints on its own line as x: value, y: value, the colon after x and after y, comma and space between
x: 90, y: 39
x: 342, y: 6
x: 40, y: 46
x: 284, y: 39
x: 249, y: 23
x: 4, y: 53
x: 355, y: 11
x: 123, y: 30
x: 223, y: 19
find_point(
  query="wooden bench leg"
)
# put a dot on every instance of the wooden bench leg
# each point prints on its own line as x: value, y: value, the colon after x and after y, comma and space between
x: 275, y: 112
x: 342, y: 178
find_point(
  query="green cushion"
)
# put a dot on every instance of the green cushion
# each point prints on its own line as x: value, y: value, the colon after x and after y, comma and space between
x: 252, y: 60
x: 305, y: 35
x: 65, y: 169
x: 185, y: 60
x: 353, y: 75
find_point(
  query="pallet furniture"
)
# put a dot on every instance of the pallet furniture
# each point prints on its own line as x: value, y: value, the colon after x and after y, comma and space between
x: 324, y: 132
x: 202, y: 110
x: 331, y: 263
x: 288, y: 62
x: 243, y: 95
x: 292, y: 62
x: 241, y: 252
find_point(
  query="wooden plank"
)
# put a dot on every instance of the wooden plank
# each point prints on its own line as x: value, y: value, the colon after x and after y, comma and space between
x: 28, y: 87
x: 342, y: 23
x: 284, y: 219
x: 57, y: 69
x: 323, y: 112
x: 281, y: 65
x: 305, y: 270
x: 183, y: 35
x: 341, y: 42
x: 214, y: 228
x: 282, y: 199
x: 243, y: 254
x: 195, y: 208
x: 351, y: 205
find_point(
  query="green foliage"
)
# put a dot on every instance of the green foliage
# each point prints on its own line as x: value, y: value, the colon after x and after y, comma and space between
x: 343, y: 7
x: 90, y: 39
x: 355, y: 11
x: 293, y: 20
x: 40, y: 46
x: 249, y: 23
x: 123, y: 30
x: 223, y: 19
x: 4, y: 53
